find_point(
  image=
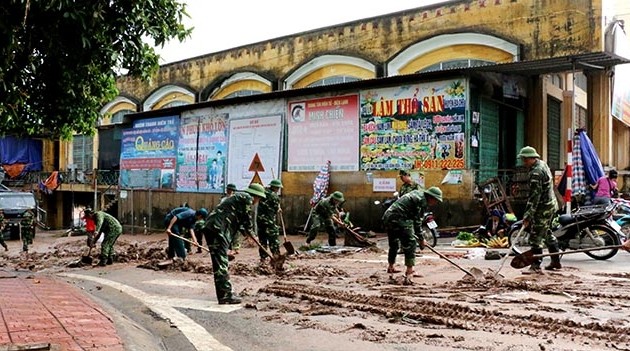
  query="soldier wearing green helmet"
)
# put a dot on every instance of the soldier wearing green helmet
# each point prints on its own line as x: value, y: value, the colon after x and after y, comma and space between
x: 266, y: 220
x: 540, y: 209
x: 402, y: 221
x: 27, y: 230
x: 408, y: 183
x: 324, y: 213
x: 221, y: 227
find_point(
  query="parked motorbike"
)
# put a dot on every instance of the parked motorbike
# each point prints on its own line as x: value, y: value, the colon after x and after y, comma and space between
x: 587, y: 227
x: 428, y: 228
x: 622, y: 217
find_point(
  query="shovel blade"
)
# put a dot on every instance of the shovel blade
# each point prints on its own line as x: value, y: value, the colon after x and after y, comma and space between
x: 86, y: 259
x: 277, y: 262
x: 288, y: 246
x: 523, y: 260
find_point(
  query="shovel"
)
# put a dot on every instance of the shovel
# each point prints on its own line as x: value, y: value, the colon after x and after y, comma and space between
x: 514, y: 242
x: 527, y: 258
x: 276, y: 261
x: 476, y: 273
x: 230, y: 257
x: 287, y: 244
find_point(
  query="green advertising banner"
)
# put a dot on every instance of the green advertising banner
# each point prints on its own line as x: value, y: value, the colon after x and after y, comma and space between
x: 419, y: 126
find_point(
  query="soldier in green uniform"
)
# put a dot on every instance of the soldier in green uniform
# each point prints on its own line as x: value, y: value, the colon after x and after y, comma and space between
x: 27, y: 230
x: 266, y: 218
x: 221, y: 226
x: 408, y: 183
x: 401, y: 220
x: 111, y: 229
x: 324, y: 213
x: 2, y: 224
x: 540, y: 209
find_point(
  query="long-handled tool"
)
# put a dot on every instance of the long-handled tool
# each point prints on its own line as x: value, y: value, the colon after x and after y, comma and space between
x: 477, y: 273
x: 277, y: 261
x: 230, y: 256
x: 287, y: 244
x: 514, y: 242
x: 527, y: 258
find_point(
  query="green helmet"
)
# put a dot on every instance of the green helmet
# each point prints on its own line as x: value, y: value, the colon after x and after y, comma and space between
x: 256, y: 190
x: 528, y: 151
x: 276, y: 183
x: 231, y: 187
x: 28, y: 214
x: 338, y: 195
x: 434, y: 192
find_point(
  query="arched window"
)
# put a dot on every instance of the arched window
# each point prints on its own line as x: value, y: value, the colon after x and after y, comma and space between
x: 455, y: 64
x: 168, y: 96
x: 241, y: 84
x: 450, y: 51
x: 330, y: 69
x: 244, y: 92
x: 333, y: 80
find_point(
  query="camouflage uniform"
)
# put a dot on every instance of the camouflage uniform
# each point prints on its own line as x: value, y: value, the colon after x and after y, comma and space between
x: 408, y: 187
x: 27, y: 230
x: 541, y: 206
x: 220, y: 228
x: 401, y: 220
x: 185, y: 221
x: 322, y: 217
x: 2, y: 231
x: 266, y: 218
x: 111, y: 228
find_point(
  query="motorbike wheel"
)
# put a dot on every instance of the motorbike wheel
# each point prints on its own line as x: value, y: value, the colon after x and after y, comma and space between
x: 610, y: 238
x: 430, y: 235
x: 522, y: 243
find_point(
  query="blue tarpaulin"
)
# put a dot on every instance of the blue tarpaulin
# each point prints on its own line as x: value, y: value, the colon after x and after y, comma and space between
x: 17, y: 151
x: 592, y: 166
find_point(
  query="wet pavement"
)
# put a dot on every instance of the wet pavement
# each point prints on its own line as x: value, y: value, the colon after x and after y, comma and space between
x: 38, y: 311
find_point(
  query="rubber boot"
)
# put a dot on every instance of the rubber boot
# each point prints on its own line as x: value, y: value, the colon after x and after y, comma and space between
x: 110, y: 260
x: 535, y: 267
x: 231, y: 300
x: 555, y: 260
x: 102, y: 261
x: 6, y: 248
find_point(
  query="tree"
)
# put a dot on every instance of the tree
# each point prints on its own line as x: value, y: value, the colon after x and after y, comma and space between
x: 58, y: 58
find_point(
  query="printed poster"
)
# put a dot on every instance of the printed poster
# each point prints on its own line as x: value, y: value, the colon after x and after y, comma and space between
x: 323, y: 129
x: 418, y: 126
x: 201, y: 155
x: 148, y: 153
x: 253, y: 136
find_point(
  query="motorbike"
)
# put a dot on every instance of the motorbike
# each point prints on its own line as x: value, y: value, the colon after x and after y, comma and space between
x: 622, y: 217
x: 428, y: 229
x: 587, y: 227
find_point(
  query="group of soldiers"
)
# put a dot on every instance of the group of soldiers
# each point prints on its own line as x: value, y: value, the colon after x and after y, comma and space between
x: 27, y: 230
x: 254, y: 210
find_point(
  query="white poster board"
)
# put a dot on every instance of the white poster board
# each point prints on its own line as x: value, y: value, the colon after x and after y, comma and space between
x: 249, y: 137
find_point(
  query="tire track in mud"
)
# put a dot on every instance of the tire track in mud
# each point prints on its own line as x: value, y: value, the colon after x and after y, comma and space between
x: 452, y: 315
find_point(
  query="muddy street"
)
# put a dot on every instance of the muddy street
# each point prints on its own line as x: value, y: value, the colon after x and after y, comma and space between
x: 348, y: 294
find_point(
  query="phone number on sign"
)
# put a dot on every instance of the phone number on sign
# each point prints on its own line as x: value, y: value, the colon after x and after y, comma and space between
x: 440, y: 164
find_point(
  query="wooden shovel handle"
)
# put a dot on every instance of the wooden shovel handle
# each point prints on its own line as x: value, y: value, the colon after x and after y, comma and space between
x: 189, y: 241
x: 450, y: 261
x: 610, y: 247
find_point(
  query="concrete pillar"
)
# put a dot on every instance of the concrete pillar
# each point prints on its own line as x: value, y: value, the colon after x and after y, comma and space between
x: 599, y: 90
x: 536, y: 124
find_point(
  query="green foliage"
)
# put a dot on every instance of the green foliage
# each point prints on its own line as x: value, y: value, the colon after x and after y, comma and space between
x: 465, y: 236
x: 58, y: 58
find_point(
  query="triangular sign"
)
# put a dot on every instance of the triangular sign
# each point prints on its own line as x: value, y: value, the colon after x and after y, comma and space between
x: 256, y: 165
x: 256, y: 179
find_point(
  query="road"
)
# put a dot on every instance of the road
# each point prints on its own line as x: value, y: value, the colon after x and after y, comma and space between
x: 179, y: 308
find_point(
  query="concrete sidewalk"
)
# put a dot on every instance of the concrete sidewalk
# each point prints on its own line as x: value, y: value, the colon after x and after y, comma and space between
x: 38, y: 310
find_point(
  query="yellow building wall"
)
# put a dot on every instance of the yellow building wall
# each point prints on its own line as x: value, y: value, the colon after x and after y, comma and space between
x: 543, y: 29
